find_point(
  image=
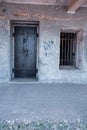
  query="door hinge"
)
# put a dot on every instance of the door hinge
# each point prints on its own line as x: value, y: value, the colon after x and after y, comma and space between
x: 13, y: 70
x: 13, y: 34
x: 36, y: 70
x: 37, y: 35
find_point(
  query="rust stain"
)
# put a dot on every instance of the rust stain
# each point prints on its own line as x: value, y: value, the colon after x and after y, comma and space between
x: 3, y: 16
x: 19, y: 13
x: 46, y: 1
x: 39, y: 16
x: 44, y: 17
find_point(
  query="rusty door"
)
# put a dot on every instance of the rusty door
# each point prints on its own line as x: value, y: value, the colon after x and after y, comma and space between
x: 25, y: 51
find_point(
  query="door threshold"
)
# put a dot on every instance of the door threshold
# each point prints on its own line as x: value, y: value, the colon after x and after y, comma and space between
x: 24, y: 80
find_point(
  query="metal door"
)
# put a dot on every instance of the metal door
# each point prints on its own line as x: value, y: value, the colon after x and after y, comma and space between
x: 25, y: 51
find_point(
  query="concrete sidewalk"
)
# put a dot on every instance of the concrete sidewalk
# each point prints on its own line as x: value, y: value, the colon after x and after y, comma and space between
x: 43, y: 101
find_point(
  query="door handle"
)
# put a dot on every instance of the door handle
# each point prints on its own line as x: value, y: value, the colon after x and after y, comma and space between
x: 25, y: 52
x: 73, y: 54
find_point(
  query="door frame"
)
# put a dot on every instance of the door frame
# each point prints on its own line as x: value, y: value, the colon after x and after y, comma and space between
x: 23, y: 23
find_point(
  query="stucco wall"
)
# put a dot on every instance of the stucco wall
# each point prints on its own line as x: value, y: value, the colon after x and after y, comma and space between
x: 52, y: 19
x: 4, y: 50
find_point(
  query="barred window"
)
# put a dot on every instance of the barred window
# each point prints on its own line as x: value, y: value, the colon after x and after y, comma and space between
x: 67, y: 48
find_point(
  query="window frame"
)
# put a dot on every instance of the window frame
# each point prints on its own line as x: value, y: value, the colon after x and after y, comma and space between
x: 79, y: 50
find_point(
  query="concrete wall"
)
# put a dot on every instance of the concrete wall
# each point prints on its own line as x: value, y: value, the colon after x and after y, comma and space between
x: 4, y: 50
x: 52, y: 19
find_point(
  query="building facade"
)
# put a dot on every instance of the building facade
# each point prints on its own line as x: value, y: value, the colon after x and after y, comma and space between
x: 43, y: 42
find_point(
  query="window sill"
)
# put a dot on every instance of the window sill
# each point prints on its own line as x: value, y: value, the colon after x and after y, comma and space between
x: 68, y: 68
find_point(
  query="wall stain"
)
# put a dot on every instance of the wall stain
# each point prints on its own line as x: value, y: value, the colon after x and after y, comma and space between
x: 48, y: 45
x: 19, y: 13
x: 41, y: 62
x: 2, y: 16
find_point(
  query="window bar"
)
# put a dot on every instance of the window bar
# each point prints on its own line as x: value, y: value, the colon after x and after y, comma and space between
x: 68, y: 50
x: 71, y: 52
x: 65, y: 51
x: 62, y: 48
x: 74, y: 49
x: 71, y: 37
x: 66, y: 47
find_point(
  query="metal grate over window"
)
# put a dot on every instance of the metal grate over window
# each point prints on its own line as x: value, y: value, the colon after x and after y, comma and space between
x: 67, y: 49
